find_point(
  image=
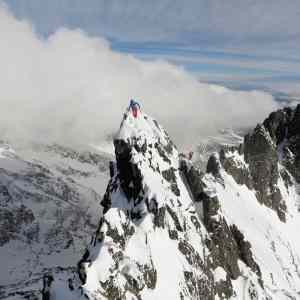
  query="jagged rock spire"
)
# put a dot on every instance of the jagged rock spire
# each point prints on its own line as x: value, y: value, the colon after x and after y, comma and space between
x: 163, y: 233
x: 150, y: 240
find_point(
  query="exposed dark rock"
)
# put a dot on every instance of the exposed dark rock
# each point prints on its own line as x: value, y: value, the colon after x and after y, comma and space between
x: 294, y: 122
x: 47, y: 281
x: 149, y: 275
x: 129, y: 174
x: 81, y: 266
x: 70, y: 284
x: 193, y: 177
x: 159, y: 217
x: 223, y: 246
x: 261, y: 155
x: 111, y: 169
x: 133, y: 286
x: 286, y: 178
x: 198, y: 286
x: 213, y: 166
x: 142, y: 148
x: 173, y: 234
x: 245, y: 252
x: 240, y: 173
x: 224, y: 288
x: 191, y: 255
x: 170, y: 176
x: 161, y: 152
x: 106, y: 201
x: 276, y: 124
x: 112, y: 291
x: 117, y: 237
x: 196, y: 223
x: 175, y: 218
x: 284, y: 128
x: 227, y: 245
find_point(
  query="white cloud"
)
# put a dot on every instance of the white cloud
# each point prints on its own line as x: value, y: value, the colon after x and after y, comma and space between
x: 74, y: 88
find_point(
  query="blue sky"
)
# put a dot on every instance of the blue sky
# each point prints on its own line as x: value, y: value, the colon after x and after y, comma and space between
x: 241, y: 44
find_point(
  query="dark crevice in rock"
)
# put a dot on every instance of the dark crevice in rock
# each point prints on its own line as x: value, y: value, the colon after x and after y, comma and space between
x: 129, y: 174
x: 170, y: 176
x: 162, y: 153
x: 245, y: 253
x: 175, y: 218
x: 213, y: 166
x: 193, y: 178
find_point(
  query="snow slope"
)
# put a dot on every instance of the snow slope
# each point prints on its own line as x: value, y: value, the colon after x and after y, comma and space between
x: 275, y: 245
x: 49, y: 206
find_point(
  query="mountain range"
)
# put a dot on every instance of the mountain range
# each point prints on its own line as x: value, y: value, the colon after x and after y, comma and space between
x: 163, y: 228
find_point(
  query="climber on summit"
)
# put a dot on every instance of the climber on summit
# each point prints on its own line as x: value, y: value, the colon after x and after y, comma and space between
x: 135, y: 107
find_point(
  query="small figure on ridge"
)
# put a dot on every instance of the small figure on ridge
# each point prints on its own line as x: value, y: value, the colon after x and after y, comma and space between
x: 135, y: 107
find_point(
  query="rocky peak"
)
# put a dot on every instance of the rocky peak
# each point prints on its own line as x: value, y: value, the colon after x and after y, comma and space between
x: 256, y: 162
x: 259, y: 171
x: 147, y: 210
x: 284, y: 128
x: 276, y: 124
x: 169, y: 231
x: 261, y: 154
x: 259, y: 142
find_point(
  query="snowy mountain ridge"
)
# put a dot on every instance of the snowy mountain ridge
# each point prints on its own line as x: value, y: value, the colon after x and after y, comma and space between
x: 171, y: 232
x: 147, y: 210
x: 166, y: 230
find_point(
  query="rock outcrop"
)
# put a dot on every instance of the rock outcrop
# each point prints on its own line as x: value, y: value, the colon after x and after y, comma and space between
x: 150, y: 241
x: 245, y: 185
x: 261, y: 155
x: 273, y: 144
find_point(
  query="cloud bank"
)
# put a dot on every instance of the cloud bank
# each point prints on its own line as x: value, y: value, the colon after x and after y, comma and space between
x: 74, y: 88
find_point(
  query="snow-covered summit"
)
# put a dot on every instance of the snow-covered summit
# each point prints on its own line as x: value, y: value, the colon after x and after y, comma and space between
x: 150, y: 237
x: 141, y: 127
x: 169, y: 231
x: 150, y: 241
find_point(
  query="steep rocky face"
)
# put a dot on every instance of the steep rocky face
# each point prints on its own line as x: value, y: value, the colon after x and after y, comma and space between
x: 245, y: 233
x: 163, y: 234
x: 170, y: 231
x: 272, y: 144
x: 238, y: 181
x: 269, y: 146
x: 261, y: 155
x: 150, y: 242
x: 284, y: 128
x: 236, y: 167
x: 151, y: 203
x: 226, y: 244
